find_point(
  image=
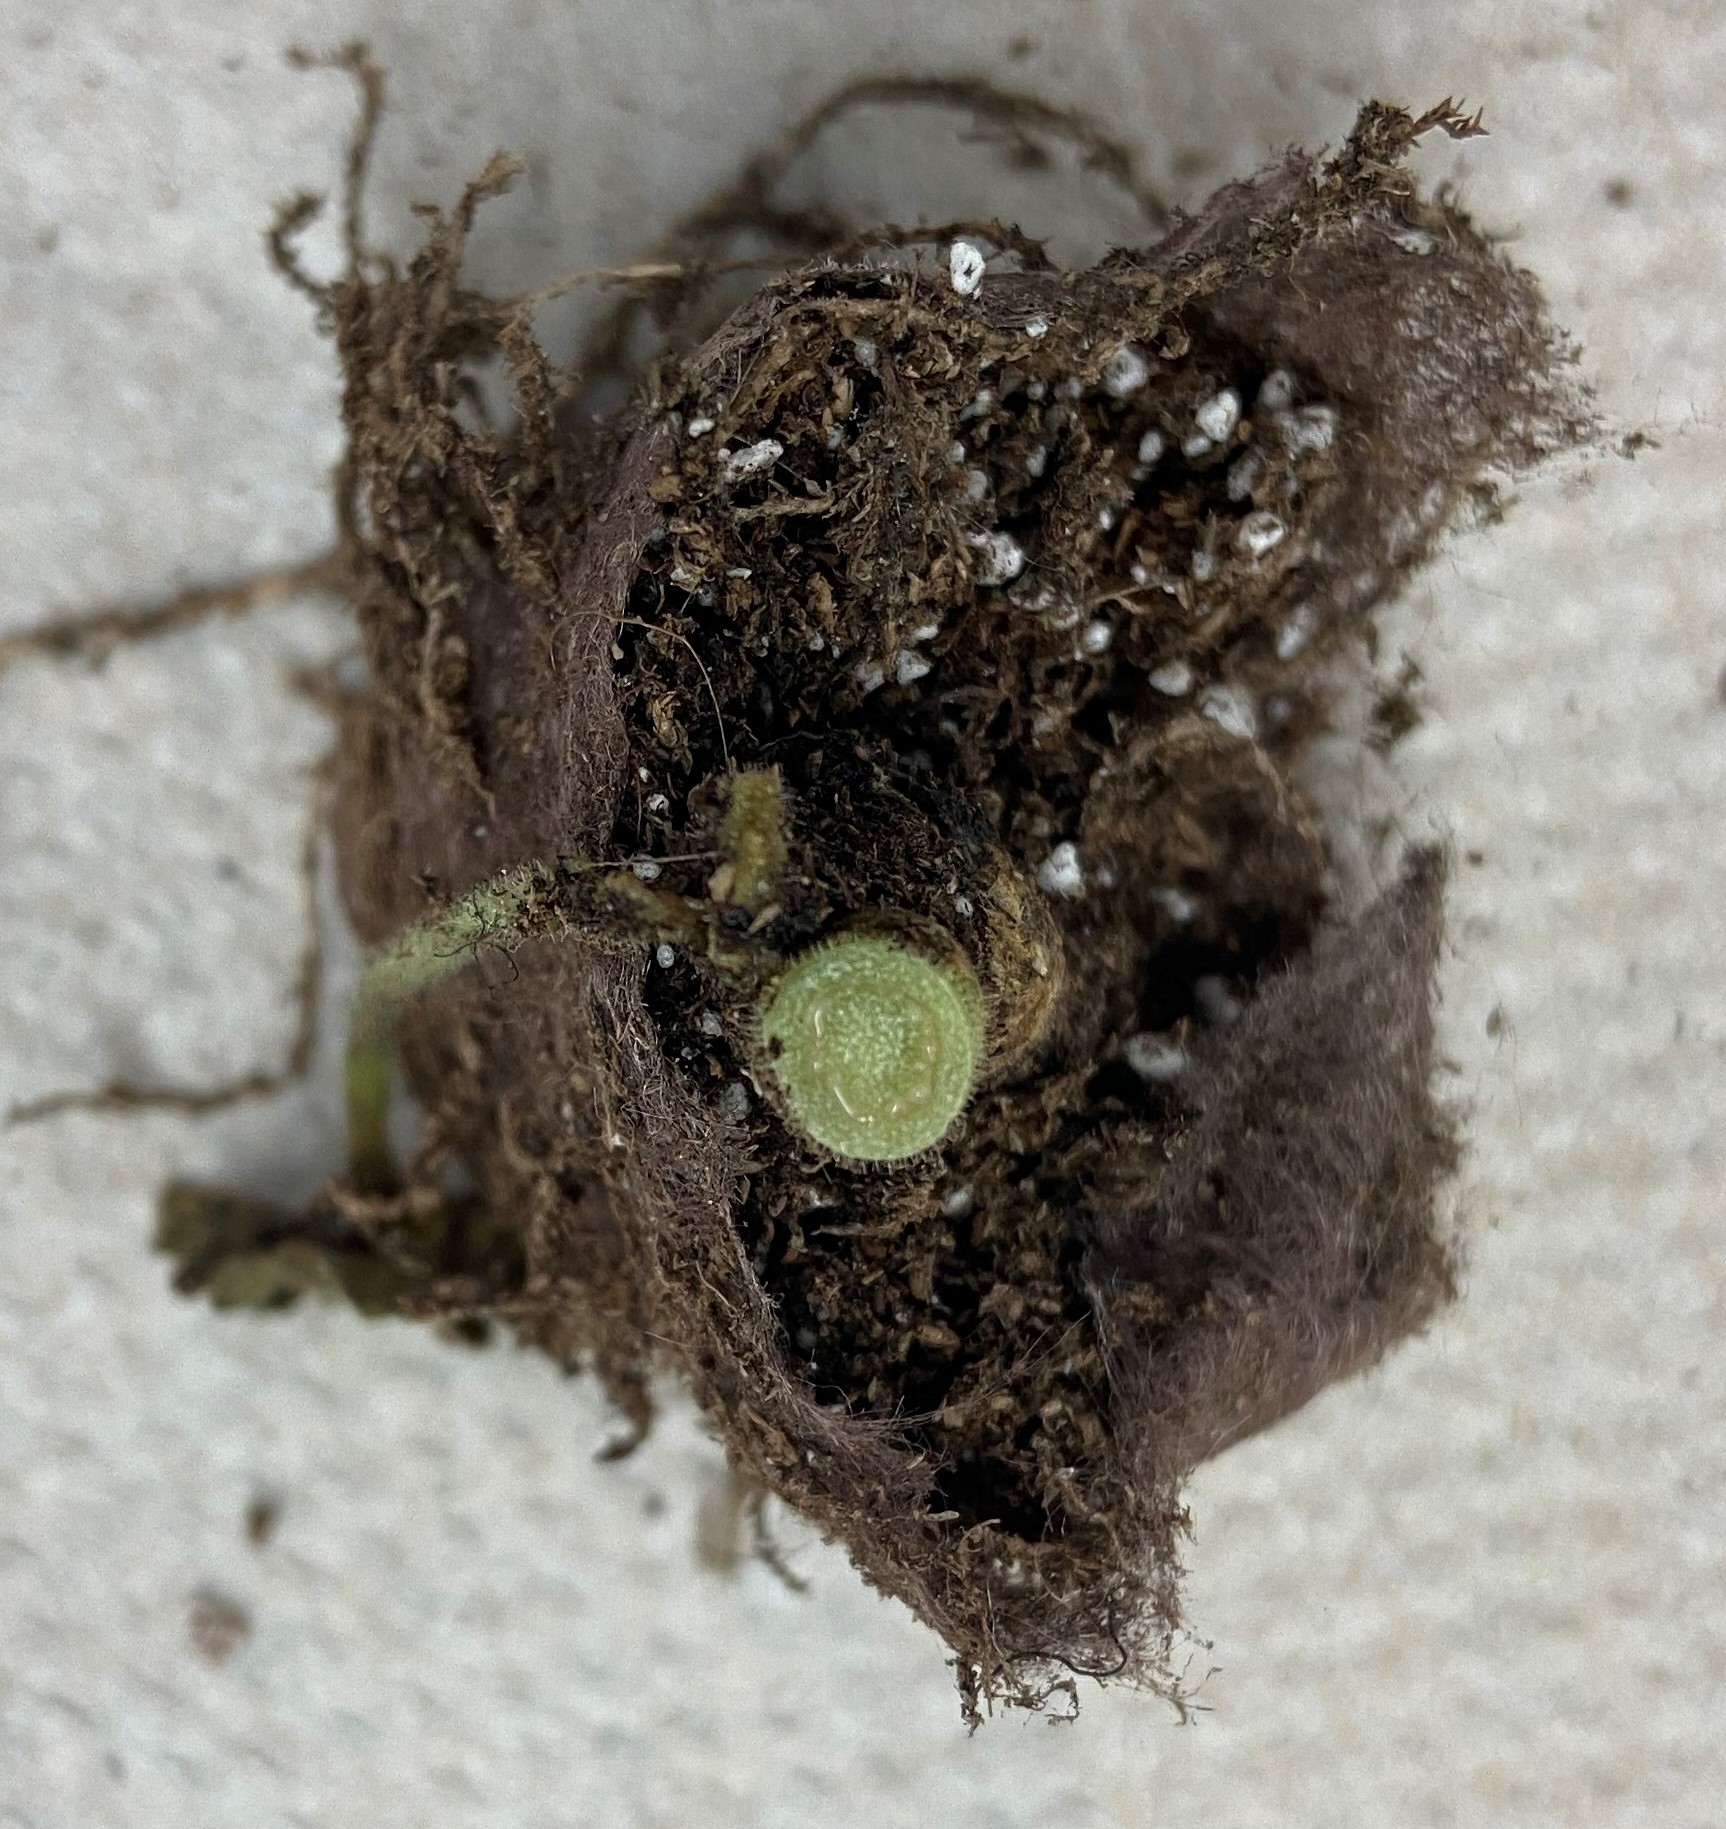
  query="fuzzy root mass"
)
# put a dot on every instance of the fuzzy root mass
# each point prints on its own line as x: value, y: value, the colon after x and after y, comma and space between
x: 1032, y: 596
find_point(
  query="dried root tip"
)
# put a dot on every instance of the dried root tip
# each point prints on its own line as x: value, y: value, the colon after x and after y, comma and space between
x: 875, y: 1046
x: 241, y: 1252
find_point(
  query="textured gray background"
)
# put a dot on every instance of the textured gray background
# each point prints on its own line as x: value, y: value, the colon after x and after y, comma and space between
x: 1485, y: 1586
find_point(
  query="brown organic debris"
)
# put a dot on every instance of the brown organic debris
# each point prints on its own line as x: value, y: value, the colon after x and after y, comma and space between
x: 1031, y: 598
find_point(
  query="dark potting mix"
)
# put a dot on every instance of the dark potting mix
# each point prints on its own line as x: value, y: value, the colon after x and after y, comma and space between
x: 833, y: 843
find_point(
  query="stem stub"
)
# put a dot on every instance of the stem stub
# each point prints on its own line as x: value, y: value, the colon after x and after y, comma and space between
x: 875, y: 1046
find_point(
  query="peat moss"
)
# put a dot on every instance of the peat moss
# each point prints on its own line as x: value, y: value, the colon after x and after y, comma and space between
x: 1028, y: 599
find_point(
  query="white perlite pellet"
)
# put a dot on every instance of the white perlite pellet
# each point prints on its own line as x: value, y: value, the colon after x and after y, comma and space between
x: 1296, y: 632
x: 1313, y: 428
x: 752, y: 459
x: 1259, y: 533
x: 1218, y: 1005
x: 1230, y: 709
x: 1059, y: 873
x: 1126, y: 371
x: 1219, y: 415
x: 1277, y: 391
x: 1154, y: 1058
x: 1176, y: 904
x: 1000, y: 558
x: 965, y: 266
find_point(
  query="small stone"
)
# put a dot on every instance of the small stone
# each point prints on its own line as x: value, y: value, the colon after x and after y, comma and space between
x: 1037, y: 327
x: 1098, y: 637
x: 1197, y: 446
x: 1204, y: 566
x: 965, y: 266
x: 665, y: 956
x: 658, y: 803
x: 864, y: 349
x: 712, y: 1024
x: 959, y: 1202
x: 976, y: 485
x: 699, y: 428
x: 647, y: 869
x: 1037, y: 460
x: 869, y: 675
x: 1059, y: 873
x: 1151, y: 447
x: 734, y: 1100
x: 910, y: 668
x: 1176, y: 904
x: 1174, y: 679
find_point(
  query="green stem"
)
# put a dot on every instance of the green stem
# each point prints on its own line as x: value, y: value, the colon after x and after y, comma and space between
x: 518, y: 905
x: 526, y: 902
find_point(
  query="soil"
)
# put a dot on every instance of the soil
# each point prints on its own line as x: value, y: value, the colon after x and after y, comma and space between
x: 1033, y: 596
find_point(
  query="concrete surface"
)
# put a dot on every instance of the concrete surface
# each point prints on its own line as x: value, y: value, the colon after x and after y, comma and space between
x: 1484, y: 1587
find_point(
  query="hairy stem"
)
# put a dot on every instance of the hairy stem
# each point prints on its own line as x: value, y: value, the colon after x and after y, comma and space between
x: 526, y: 902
